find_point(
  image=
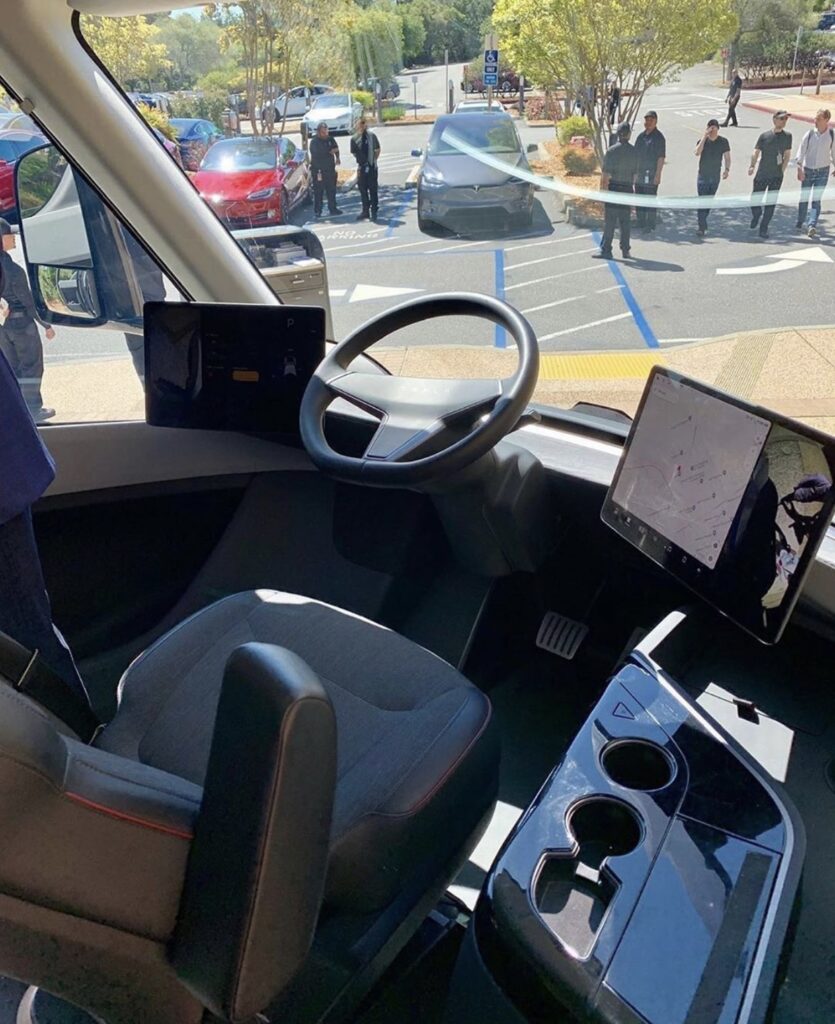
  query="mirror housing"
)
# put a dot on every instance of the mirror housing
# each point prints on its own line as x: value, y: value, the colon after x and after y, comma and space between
x: 84, y: 268
x: 532, y: 147
x: 417, y: 152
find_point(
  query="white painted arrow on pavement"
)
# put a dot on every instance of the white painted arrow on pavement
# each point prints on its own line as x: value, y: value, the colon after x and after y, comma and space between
x: 364, y: 292
x: 784, y: 261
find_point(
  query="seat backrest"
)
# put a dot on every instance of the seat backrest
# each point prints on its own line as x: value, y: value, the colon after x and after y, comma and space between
x: 257, y: 865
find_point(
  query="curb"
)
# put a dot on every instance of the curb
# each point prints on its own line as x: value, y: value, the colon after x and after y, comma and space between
x: 770, y: 110
x: 412, y: 179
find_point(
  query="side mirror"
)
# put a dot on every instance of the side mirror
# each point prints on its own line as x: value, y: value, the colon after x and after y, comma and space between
x: 84, y: 268
x: 417, y: 152
x: 533, y: 147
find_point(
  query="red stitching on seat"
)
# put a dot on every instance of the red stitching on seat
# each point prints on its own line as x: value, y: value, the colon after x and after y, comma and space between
x: 121, y: 816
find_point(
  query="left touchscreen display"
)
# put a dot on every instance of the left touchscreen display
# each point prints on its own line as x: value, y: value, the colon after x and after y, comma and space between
x: 230, y: 367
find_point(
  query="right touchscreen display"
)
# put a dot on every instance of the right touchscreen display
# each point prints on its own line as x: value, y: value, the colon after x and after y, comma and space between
x: 730, y: 498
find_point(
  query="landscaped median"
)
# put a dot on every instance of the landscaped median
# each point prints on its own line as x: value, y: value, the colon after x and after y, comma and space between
x: 790, y: 370
x: 550, y: 162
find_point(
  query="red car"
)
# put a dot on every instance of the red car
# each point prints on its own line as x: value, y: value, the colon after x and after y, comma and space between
x: 13, y: 144
x: 253, y: 182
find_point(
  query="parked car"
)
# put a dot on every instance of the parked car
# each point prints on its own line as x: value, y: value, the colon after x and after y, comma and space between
x: 457, y: 189
x: 195, y: 137
x: 298, y: 101
x: 338, y: 110
x: 254, y: 182
x: 477, y: 107
x: 473, y: 80
x: 827, y: 21
x: 171, y: 148
x: 389, y: 87
x: 13, y: 144
x: 10, y: 119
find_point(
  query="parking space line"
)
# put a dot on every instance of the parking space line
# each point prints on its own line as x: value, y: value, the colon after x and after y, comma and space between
x: 582, y: 327
x: 559, y: 256
x: 356, y: 245
x: 548, y: 241
x: 572, y: 298
x: 499, y: 335
x: 553, y: 277
x: 635, y: 310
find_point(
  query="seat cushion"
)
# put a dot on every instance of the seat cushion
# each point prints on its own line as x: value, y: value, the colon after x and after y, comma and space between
x: 417, y: 762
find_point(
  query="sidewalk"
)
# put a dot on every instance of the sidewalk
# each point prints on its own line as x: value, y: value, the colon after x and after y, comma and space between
x: 789, y: 370
x: 801, y: 108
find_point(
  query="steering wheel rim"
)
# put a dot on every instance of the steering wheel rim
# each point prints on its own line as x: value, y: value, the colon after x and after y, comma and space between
x: 414, y: 413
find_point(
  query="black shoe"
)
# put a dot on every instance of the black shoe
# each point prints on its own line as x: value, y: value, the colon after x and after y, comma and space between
x: 755, y: 219
x: 798, y: 226
x: 317, y: 213
x: 701, y: 231
x: 763, y: 232
x: 604, y: 254
x: 626, y: 253
x: 362, y: 216
x: 374, y: 216
x: 335, y: 212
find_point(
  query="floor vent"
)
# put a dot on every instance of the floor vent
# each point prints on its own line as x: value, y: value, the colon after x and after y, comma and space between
x: 560, y: 635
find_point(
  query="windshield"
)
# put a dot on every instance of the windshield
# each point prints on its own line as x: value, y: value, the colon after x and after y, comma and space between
x: 333, y: 99
x: 699, y: 236
x: 485, y: 133
x: 233, y: 155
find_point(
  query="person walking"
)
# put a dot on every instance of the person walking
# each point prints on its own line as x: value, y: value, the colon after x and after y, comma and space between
x: 614, y: 104
x: 733, y: 97
x: 618, y: 175
x: 713, y: 150
x: 324, y: 159
x: 815, y: 155
x: 650, y: 152
x: 20, y: 340
x: 768, y: 165
x: 365, y: 149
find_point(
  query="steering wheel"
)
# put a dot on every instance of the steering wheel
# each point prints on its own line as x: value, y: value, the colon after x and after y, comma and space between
x: 428, y: 428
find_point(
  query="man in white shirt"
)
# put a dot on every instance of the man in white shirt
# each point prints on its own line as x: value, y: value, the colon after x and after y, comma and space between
x: 815, y: 155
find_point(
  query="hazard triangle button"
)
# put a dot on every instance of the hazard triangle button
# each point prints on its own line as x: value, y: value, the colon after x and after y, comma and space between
x: 622, y: 711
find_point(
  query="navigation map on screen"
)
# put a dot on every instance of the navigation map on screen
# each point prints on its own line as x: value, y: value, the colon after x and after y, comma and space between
x: 729, y: 498
x: 688, y: 465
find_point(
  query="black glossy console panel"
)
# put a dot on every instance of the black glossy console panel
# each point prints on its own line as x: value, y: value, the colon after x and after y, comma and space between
x: 652, y: 877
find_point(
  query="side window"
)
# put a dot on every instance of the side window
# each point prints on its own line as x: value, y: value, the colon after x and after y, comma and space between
x: 67, y: 261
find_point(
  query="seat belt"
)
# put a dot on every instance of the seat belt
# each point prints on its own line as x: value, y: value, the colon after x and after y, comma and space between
x: 27, y: 672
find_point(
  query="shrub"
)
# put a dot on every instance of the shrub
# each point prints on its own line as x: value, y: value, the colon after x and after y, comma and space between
x: 393, y: 113
x: 157, y: 119
x: 535, y: 108
x: 208, y: 107
x: 571, y: 126
x: 365, y: 98
x: 579, y: 161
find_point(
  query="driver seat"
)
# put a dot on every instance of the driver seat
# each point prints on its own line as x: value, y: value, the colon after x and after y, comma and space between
x: 119, y: 873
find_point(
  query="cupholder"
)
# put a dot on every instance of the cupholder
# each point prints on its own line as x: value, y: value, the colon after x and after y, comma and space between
x: 571, y: 894
x: 638, y: 764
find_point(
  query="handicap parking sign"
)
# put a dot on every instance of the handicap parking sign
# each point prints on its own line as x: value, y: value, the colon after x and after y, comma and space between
x: 491, y: 69
x: 491, y: 56
x: 491, y: 79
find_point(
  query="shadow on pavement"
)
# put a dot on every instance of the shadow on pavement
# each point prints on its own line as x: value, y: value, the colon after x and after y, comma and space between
x: 496, y: 228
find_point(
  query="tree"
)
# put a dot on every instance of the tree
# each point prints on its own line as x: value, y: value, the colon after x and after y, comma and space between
x: 193, y: 46
x: 586, y: 44
x: 130, y: 48
x: 768, y: 27
x: 413, y: 31
x: 376, y: 34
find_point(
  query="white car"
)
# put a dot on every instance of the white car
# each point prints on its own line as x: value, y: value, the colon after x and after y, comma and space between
x: 297, y: 101
x: 338, y: 111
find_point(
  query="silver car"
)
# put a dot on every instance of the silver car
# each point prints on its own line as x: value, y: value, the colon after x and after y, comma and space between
x: 471, y: 170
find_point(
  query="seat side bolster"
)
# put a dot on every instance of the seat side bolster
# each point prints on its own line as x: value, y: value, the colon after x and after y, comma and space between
x: 257, y: 865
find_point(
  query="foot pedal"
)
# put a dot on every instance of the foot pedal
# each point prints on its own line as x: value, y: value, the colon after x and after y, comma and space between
x: 560, y: 635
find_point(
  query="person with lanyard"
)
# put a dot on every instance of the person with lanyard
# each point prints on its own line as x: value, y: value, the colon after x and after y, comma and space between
x: 324, y: 159
x: 734, y: 94
x: 365, y: 149
x: 618, y: 175
x: 20, y: 340
x: 815, y: 155
x: 650, y: 151
x: 712, y: 150
x: 768, y: 165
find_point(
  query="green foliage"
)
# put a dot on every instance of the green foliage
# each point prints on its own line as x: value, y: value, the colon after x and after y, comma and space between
x: 209, y: 107
x: 365, y: 98
x: 579, y: 161
x: 413, y: 31
x: 376, y: 35
x: 228, y: 79
x: 572, y: 126
x: 193, y: 46
x: 393, y: 113
x: 587, y: 43
x: 131, y: 48
x: 157, y: 119
x: 767, y: 28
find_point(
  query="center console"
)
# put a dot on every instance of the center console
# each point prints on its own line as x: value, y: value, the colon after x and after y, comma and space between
x: 651, y: 880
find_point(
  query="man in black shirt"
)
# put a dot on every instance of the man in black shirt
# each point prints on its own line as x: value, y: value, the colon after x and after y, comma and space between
x: 650, y: 152
x: 20, y: 341
x: 324, y: 158
x: 365, y: 149
x: 769, y: 160
x: 732, y: 99
x: 712, y: 150
x: 618, y: 175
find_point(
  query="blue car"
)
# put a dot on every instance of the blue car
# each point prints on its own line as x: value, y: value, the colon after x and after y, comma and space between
x: 195, y: 137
